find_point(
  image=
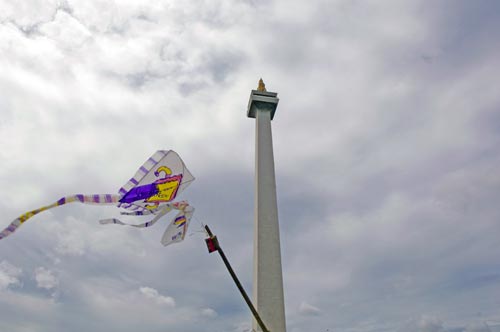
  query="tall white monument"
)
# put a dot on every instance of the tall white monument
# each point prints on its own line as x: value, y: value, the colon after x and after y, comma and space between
x: 267, y: 276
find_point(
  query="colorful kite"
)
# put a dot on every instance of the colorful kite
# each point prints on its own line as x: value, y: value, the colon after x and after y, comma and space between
x: 150, y: 192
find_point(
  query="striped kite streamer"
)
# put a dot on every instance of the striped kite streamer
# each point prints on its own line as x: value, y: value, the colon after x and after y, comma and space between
x: 85, y: 199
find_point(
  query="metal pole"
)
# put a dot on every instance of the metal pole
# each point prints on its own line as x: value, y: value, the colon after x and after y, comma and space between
x: 217, y: 247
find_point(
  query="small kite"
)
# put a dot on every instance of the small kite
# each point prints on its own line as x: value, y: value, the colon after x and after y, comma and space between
x: 150, y: 192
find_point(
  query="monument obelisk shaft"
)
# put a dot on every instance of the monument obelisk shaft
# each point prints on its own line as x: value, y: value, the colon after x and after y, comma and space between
x: 267, y: 275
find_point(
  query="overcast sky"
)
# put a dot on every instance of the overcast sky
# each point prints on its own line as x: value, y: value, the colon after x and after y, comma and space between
x: 387, y: 154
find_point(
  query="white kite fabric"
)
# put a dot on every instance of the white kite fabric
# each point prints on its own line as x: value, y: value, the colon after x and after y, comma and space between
x: 150, y: 191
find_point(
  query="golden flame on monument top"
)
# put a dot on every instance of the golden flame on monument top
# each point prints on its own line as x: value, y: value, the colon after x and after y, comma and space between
x: 262, y: 86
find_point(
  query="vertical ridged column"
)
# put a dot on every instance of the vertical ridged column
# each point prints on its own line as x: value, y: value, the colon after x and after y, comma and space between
x: 267, y: 275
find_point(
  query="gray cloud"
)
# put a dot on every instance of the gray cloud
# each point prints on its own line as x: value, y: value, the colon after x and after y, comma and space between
x: 153, y: 294
x: 386, y: 144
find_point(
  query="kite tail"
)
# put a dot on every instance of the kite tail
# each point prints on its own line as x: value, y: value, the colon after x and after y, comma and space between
x: 137, y: 213
x: 163, y: 211
x: 85, y: 199
x: 177, y: 228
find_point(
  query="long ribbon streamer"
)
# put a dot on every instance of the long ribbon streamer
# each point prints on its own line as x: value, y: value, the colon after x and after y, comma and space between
x: 106, y: 199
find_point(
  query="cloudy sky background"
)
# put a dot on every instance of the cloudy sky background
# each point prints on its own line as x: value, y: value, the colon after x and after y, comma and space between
x: 387, y: 151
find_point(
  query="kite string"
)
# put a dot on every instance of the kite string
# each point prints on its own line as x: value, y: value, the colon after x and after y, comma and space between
x: 202, y: 225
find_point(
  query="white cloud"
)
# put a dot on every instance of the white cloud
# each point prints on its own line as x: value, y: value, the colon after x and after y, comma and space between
x: 9, y: 275
x: 153, y: 294
x: 105, y: 299
x: 85, y: 236
x: 45, y: 278
x: 308, y: 309
x: 209, y: 312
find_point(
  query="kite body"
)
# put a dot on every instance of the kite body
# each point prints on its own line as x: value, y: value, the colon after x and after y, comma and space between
x: 163, y: 190
x: 150, y: 192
